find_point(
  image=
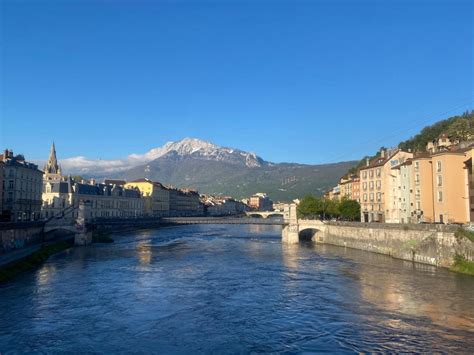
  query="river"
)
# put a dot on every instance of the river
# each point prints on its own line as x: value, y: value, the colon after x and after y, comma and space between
x: 233, y: 289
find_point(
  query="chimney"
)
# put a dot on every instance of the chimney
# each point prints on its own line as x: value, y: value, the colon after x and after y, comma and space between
x: 382, y: 153
x: 92, y: 181
x: 367, y: 161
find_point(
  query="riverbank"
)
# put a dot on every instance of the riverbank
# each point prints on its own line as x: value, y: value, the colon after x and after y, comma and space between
x: 438, y: 245
x: 33, y: 260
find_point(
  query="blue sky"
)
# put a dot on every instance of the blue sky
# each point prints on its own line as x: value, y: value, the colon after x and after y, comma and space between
x: 300, y: 81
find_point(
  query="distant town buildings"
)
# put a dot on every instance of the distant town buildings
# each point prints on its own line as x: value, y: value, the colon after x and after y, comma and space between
x: 222, y: 206
x: 21, y: 188
x: 260, y: 202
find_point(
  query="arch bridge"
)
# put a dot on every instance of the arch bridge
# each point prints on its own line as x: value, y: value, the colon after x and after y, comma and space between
x: 264, y: 214
x: 295, y: 229
x: 77, y: 226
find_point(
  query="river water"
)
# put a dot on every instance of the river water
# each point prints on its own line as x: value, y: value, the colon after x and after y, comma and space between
x: 233, y: 289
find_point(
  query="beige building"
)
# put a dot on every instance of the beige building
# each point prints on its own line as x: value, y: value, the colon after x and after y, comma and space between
x: 439, y: 144
x: 185, y: 202
x: 61, y: 199
x: 379, y: 187
x: 156, y: 196
x: 436, y: 187
x: 349, y: 187
x: 22, y: 184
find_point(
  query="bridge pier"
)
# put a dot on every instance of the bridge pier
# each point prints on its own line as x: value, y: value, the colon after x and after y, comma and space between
x: 290, y: 230
x: 82, y: 236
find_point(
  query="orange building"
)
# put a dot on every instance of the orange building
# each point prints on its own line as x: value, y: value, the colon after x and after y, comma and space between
x: 450, y: 187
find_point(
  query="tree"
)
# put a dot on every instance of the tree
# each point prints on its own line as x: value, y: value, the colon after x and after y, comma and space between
x: 349, y: 209
x: 461, y: 129
x: 308, y: 206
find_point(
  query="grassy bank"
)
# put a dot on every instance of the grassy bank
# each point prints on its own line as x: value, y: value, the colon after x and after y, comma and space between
x: 32, y: 261
x: 462, y: 265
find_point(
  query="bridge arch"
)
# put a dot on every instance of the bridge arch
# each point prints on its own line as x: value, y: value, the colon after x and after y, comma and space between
x: 255, y: 215
x: 309, y: 234
x: 275, y: 215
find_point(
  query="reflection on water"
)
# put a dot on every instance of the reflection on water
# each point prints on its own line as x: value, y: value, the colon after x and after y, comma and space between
x: 233, y: 289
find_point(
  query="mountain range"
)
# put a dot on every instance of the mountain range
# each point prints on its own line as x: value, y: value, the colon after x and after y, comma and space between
x: 213, y: 169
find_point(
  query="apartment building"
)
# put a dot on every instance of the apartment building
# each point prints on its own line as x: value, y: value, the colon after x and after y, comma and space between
x: 156, y: 196
x: 379, y: 187
x: 22, y: 185
x: 261, y: 202
x: 185, y: 202
x: 450, y: 187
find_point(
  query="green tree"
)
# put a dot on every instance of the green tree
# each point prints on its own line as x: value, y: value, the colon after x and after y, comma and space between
x: 461, y: 129
x: 349, y: 209
x: 308, y: 206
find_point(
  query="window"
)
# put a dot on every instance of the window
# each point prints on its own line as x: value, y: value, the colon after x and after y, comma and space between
x: 371, y: 185
x: 364, y: 174
x: 371, y: 196
x: 417, y: 165
x: 364, y: 186
x: 440, y: 196
x: 440, y: 180
x: 379, y: 196
x: 438, y: 166
x: 378, y: 172
x: 371, y: 173
x: 378, y: 184
x: 417, y: 178
x: 418, y: 205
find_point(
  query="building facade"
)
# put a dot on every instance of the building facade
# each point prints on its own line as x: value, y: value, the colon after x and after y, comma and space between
x: 379, y: 187
x: 156, y: 196
x: 260, y: 202
x: 185, y: 203
x: 22, y: 184
x: 61, y: 196
x: 451, y: 187
x: 61, y: 200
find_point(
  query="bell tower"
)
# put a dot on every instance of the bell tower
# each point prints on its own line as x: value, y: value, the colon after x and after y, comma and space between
x: 52, y: 171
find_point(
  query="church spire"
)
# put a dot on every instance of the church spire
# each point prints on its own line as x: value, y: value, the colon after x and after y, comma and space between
x: 52, y: 166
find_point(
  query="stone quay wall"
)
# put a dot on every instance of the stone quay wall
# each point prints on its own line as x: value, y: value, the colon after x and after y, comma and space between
x: 428, y: 244
x: 14, y: 236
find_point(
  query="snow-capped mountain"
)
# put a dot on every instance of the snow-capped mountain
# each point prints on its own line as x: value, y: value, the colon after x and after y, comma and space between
x: 185, y: 148
x: 210, y: 168
x: 196, y: 148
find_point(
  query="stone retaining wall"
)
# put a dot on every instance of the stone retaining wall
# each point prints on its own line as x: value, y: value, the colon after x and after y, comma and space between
x: 428, y: 244
x: 15, y: 236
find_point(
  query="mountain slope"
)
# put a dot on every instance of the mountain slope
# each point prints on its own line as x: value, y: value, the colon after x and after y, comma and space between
x: 239, y: 177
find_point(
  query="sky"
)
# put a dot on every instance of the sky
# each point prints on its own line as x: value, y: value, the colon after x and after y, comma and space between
x: 295, y: 81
